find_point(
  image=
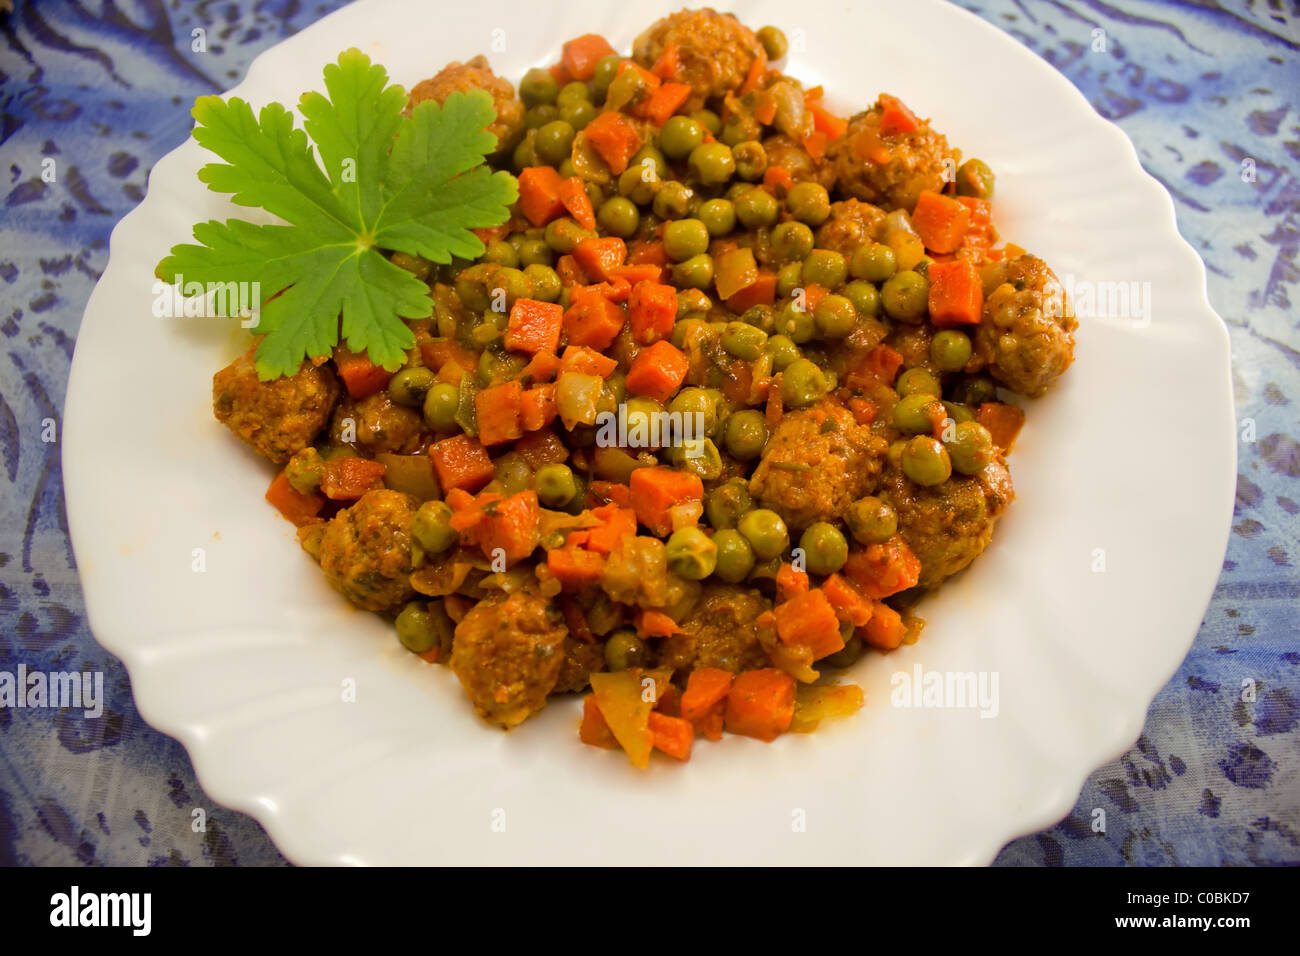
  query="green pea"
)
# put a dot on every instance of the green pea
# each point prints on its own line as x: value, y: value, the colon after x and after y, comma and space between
x: 513, y: 473
x: 825, y: 267
x: 788, y: 278
x: 774, y: 42
x: 673, y: 201
x: 912, y: 413
x: 835, y: 317
x: 409, y: 386
x: 809, y: 203
x: 416, y: 628
x: 691, y: 554
x: 709, y: 120
x: 874, y: 262
x: 649, y: 155
x: 431, y: 527
x: 555, y: 485
x: 865, y: 298
x: 824, y: 547
x: 501, y: 252
x: 926, y: 461
x: 688, y: 329
x: 975, y: 390
x: 638, y: 184
x: 905, y: 296
x: 624, y: 650
x: 740, y: 128
x: 735, y: 557
x: 700, y: 457
x: 440, y: 404
x: 538, y: 87
x: 975, y: 178
x: 950, y: 350
x: 958, y: 412
x: 524, y: 156
x: 751, y: 160
x: 765, y: 532
x: 783, y: 351
x: 803, y: 384
x: 606, y: 70
x: 756, y: 208
x: 915, y: 381
x: 871, y: 520
x: 718, y: 216
x: 692, y: 300
x: 574, y: 92
x: 744, y: 341
x: 578, y: 115
x: 797, y: 323
x: 685, y: 238
x: 724, y: 505
x: 563, y: 235
x: 695, y: 273
x: 545, y: 282
x: 538, y: 116
x: 971, y: 448
x: 846, y: 656
x: 712, y: 163
x: 619, y: 216
x: 791, y: 241
x: 746, y: 434
x: 534, y: 252
x: 760, y: 316
x: 680, y: 136
x: 554, y: 142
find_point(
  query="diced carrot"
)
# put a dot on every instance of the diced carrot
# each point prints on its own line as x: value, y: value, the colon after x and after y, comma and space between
x: 510, y: 527
x: 880, y: 364
x: 765, y: 110
x: 541, y: 367
x: 559, y: 73
x: 573, y: 194
x: 461, y: 462
x: 649, y: 77
x: 956, y: 294
x: 657, y: 371
x: 790, y: 581
x: 880, y: 570
x: 761, y: 703
x: 672, y: 735
x: 670, y: 700
x: 632, y: 273
x: 614, y: 138
x: 849, y: 604
x: 493, y: 233
x: 668, y: 63
x: 777, y: 180
x: 646, y: 252
x: 755, y: 74
x: 940, y: 221
x: 651, y: 623
x: 663, y: 102
x: 539, y: 194
x: 608, y: 492
x: 1003, y: 422
x: 814, y: 293
x: 570, y: 273
x: 706, y: 688
x: 542, y: 447
x: 864, y: 411
x: 809, y: 620
x: 885, y: 630
x: 347, y: 479
x: 441, y: 352
x: 496, y: 409
x: 598, y: 257
x: 593, y: 730
x: 619, y: 522
x: 575, y: 568
x: 537, y: 407
x: 826, y: 122
x: 895, y: 117
x: 361, y: 377
x: 581, y: 54
x: 652, y: 311
x: 534, y: 326
x: 762, y: 291
x: 299, y: 508
x: 431, y: 655
x: 593, y: 320
x: 586, y: 361
x: 815, y: 144
x: 655, y: 491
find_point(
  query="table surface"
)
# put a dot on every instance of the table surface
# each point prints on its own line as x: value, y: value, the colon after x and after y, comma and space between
x: 1207, y: 92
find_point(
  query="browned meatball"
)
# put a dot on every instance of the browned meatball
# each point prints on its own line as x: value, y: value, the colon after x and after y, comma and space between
x: 890, y: 171
x: 365, y: 551
x: 377, y: 424
x: 816, y: 464
x: 276, y: 418
x: 948, y: 525
x: 581, y: 659
x: 1027, y: 336
x: 913, y: 343
x: 794, y: 159
x: 477, y: 75
x: 714, y: 51
x: 851, y: 225
x: 719, y: 632
x: 507, y: 654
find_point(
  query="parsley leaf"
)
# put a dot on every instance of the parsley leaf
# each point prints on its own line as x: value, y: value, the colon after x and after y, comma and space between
x: 415, y: 184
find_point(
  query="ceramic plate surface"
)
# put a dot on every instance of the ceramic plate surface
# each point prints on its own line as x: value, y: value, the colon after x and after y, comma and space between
x: 1129, y: 464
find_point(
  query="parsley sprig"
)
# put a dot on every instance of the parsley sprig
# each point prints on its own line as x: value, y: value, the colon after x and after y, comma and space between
x: 414, y: 184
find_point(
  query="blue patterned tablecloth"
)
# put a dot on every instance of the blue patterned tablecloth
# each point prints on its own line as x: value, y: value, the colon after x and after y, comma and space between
x: 1209, y: 92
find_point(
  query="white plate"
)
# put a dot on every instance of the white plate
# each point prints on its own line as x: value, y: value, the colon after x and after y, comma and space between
x: 244, y: 662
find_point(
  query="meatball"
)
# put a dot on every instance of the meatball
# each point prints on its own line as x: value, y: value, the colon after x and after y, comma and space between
x: 715, y: 51
x: 794, y: 159
x: 719, y: 632
x: 507, y: 654
x: 1027, y: 336
x: 890, y: 171
x: 376, y: 424
x: 276, y: 418
x: 851, y: 224
x: 477, y: 75
x: 913, y: 343
x: 816, y: 464
x: 948, y: 525
x: 365, y: 550
x: 581, y: 659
